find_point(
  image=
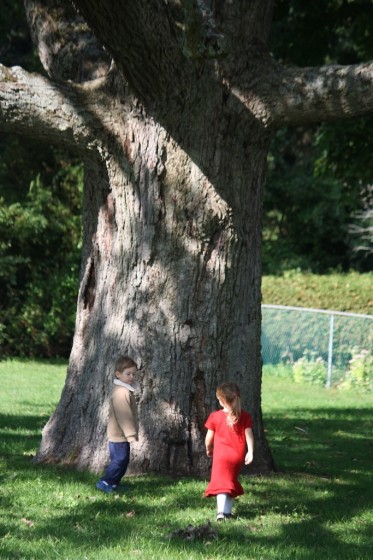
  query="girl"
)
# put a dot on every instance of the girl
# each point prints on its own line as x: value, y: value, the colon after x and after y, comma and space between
x: 228, y: 434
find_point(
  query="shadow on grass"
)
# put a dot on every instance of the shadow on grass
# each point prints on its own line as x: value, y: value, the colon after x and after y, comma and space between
x: 20, y: 434
x: 302, y: 512
x: 323, y: 441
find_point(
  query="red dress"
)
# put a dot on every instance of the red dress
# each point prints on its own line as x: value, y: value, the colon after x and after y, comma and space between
x: 228, y: 453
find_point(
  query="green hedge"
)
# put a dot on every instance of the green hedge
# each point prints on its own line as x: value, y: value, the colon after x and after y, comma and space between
x: 351, y: 292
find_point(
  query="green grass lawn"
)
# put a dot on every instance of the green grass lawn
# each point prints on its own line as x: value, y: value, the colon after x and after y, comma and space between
x: 317, y: 506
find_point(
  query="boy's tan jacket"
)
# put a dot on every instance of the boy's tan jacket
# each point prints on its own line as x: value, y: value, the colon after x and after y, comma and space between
x: 123, y: 424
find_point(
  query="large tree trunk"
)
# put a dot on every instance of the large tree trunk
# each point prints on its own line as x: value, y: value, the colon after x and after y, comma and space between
x: 173, y: 121
x: 171, y: 275
x: 171, y: 248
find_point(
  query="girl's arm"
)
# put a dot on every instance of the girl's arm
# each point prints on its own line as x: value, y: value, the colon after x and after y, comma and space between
x: 250, y: 445
x: 209, y: 442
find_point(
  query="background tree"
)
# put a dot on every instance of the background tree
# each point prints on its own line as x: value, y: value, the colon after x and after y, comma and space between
x: 40, y: 225
x: 39, y: 254
x: 173, y: 118
x: 320, y: 175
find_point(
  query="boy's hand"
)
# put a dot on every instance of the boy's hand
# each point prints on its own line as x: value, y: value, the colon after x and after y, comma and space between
x: 209, y: 452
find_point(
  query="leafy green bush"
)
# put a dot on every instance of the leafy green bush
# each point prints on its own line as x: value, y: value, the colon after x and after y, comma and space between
x: 40, y: 232
x: 280, y: 370
x: 310, y: 368
x: 360, y: 371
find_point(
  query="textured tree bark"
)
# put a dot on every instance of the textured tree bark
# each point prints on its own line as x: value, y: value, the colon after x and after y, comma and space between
x: 173, y: 120
x: 171, y: 275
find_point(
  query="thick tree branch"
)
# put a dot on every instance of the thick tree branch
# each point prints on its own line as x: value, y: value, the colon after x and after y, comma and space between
x: 161, y: 46
x: 67, y: 48
x: 305, y: 95
x: 32, y: 105
x: 143, y: 38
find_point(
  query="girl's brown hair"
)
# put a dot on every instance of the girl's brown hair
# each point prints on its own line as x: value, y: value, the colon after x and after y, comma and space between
x: 229, y: 394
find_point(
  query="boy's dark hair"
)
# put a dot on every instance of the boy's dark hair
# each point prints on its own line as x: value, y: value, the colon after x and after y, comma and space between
x: 124, y: 362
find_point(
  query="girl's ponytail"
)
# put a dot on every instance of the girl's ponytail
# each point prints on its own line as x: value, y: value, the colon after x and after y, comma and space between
x: 229, y: 394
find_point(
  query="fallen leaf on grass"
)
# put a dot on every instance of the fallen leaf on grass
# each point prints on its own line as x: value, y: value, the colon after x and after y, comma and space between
x: 27, y: 522
x: 130, y: 514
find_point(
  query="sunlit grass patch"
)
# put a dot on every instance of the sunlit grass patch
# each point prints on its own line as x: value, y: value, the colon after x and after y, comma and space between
x: 317, y: 506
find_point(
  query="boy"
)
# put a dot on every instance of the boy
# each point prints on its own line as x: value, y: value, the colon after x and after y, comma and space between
x: 122, y: 424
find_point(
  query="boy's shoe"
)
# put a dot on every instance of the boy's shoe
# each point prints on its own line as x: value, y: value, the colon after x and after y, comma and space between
x: 220, y: 516
x: 228, y: 516
x: 104, y: 486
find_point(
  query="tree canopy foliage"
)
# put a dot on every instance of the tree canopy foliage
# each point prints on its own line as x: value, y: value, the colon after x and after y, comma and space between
x: 40, y: 225
x: 320, y: 177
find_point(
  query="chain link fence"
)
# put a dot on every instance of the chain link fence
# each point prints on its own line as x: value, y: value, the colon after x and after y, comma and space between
x: 332, y: 346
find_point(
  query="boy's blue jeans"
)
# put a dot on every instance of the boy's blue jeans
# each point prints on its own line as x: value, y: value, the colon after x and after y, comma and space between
x: 119, y: 459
